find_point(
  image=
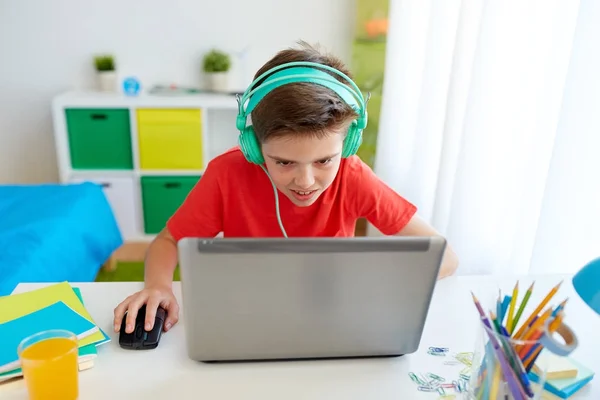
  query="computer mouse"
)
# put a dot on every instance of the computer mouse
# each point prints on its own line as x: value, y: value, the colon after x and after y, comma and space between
x: 139, y: 338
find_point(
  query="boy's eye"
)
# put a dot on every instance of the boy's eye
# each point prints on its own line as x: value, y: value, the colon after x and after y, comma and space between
x: 287, y: 163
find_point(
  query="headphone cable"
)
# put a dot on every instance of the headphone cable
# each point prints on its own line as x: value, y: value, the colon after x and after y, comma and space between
x: 276, y: 202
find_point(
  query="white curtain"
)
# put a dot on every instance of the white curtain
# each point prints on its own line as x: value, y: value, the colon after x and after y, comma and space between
x: 490, y: 124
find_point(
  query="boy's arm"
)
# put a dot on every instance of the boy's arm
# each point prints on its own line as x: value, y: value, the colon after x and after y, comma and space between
x: 160, y: 262
x: 161, y: 259
x: 417, y: 227
x: 389, y: 212
x: 200, y: 215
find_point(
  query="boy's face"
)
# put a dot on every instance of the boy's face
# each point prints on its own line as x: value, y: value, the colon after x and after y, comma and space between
x: 303, y: 167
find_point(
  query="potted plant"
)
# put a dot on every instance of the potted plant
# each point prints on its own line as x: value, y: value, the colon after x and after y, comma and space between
x: 216, y: 66
x: 107, y: 76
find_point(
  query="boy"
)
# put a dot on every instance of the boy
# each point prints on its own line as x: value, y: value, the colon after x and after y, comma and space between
x: 301, y: 153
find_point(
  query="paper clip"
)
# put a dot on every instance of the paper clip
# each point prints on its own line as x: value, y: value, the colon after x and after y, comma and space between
x: 426, y: 381
x: 435, y: 377
x: 433, y: 353
x: 465, y: 358
x: 436, y: 353
x: 456, y: 385
x: 460, y: 385
x: 439, y: 349
x: 425, y: 388
x: 415, y: 378
x: 465, y: 373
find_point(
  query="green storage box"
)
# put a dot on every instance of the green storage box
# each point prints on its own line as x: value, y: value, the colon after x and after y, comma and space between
x: 161, y: 197
x: 99, y: 138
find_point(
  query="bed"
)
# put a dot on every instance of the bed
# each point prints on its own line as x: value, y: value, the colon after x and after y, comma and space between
x: 54, y: 233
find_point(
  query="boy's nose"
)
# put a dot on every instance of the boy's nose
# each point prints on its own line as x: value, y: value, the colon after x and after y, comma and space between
x: 305, y: 180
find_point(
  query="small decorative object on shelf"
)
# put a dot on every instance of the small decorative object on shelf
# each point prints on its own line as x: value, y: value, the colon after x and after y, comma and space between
x: 106, y: 72
x: 216, y: 65
x: 131, y: 86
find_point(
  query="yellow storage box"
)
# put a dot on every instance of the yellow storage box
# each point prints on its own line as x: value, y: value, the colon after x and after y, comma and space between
x: 170, y: 139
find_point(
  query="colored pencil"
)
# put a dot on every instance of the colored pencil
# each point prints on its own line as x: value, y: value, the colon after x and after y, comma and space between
x: 522, y: 307
x: 526, y: 348
x: 511, y: 309
x: 513, y: 357
x: 509, y: 374
x: 530, y: 334
x: 499, y: 307
x: 505, y: 304
x: 506, y: 362
x: 537, y: 310
x: 551, y: 329
x: 537, y: 325
x: 557, y: 311
x: 495, y: 382
x: 560, y: 307
x: 529, y: 360
x: 556, y: 322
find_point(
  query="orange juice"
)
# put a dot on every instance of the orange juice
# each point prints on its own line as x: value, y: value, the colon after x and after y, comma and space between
x: 50, y: 368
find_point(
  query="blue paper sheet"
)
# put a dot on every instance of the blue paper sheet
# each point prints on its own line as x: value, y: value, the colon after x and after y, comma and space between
x: 56, y: 316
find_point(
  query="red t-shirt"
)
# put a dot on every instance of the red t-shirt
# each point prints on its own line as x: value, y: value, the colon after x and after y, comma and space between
x: 236, y: 197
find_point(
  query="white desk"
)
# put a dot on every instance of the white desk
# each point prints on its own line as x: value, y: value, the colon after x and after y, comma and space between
x: 166, y: 372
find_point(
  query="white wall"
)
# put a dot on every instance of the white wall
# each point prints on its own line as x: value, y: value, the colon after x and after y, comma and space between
x: 46, y: 47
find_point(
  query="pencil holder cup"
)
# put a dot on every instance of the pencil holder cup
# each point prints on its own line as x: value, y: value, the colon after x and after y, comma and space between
x: 505, y: 367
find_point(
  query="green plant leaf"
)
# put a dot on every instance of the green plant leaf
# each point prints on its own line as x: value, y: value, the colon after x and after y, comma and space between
x: 104, y: 63
x: 216, y: 61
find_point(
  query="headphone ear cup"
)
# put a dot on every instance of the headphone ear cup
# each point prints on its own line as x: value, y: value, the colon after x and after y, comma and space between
x: 352, y: 141
x: 250, y: 147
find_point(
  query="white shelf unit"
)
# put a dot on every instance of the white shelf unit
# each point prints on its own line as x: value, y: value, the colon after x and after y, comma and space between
x: 95, y: 125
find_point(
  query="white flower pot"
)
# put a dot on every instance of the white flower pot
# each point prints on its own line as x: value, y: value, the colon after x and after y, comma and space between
x: 107, y: 81
x: 218, y: 81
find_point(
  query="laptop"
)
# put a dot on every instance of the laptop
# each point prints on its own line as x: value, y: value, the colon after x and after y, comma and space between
x: 263, y: 299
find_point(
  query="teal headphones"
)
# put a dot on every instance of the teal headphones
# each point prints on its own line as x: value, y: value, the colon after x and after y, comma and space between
x: 299, y: 71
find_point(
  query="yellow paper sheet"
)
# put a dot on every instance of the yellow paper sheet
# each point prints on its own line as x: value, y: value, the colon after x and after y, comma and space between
x: 16, y: 305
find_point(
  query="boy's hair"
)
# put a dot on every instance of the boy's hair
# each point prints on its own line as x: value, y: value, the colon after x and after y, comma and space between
x: 301, y: 108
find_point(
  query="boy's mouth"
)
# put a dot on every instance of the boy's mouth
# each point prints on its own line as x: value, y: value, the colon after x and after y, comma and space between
x: 303, y: 195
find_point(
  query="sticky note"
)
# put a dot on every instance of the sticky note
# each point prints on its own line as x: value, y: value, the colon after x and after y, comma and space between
x: 557, y: 367
x: 566, y: 387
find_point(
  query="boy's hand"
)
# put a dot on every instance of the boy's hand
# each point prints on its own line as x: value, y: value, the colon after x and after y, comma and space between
x: 152, y: 297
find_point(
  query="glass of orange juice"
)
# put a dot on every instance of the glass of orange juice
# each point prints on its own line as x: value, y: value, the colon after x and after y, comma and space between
x: 49, y: 364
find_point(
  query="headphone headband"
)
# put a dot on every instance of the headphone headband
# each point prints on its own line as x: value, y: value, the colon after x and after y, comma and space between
x: 293, y: 72
x: 303, y: 74
x: 299, y: 71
